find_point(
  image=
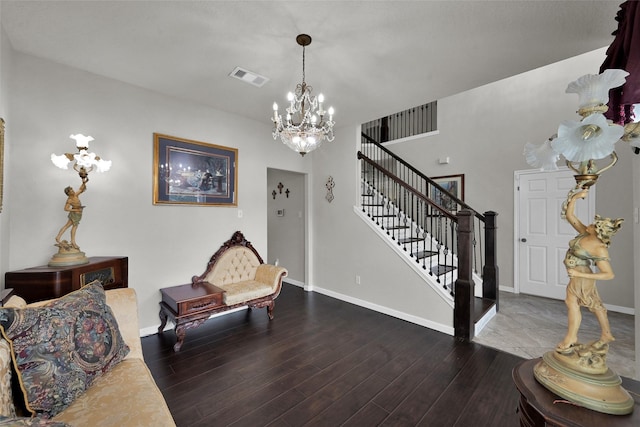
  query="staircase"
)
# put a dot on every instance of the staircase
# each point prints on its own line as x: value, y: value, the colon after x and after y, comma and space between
x: 450, y: 245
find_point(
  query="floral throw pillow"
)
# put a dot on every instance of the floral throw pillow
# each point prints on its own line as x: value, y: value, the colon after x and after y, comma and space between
x: 29, y: 422
x: 59, y: 349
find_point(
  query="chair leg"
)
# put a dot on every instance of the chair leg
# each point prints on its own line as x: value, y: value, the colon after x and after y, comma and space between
x: 270, y: 309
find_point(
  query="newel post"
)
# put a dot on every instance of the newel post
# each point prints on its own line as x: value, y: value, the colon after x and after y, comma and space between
x: 490, y: 269
x: 463, y: 322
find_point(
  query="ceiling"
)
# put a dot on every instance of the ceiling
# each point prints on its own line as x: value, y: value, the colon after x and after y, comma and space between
x: 369, y: 58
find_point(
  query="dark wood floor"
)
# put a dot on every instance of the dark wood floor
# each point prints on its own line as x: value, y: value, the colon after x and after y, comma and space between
x: 324, y: 362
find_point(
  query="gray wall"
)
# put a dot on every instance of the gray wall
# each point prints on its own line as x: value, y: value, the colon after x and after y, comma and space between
x: 484, y: 131
x: 166, y: 245
x: 286, y: 233
x: 5, y: 68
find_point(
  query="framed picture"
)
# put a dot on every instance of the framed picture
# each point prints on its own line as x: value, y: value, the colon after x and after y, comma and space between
x: 189, y: 172
x: 454, y: 184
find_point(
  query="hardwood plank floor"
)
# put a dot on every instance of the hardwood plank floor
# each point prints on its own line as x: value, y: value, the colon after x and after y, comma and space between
x: 324, y: 362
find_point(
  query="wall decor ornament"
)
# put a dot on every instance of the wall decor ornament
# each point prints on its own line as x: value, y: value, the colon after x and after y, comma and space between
x: 330, y: 185
x: 187, y: 172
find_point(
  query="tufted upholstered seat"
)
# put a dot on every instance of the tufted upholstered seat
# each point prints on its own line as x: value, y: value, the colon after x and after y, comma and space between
x: 235, y: 277
x: 239, y: 270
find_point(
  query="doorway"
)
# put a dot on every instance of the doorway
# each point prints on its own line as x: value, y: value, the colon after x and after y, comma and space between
x: 286, y: 223
x: 541, y: 235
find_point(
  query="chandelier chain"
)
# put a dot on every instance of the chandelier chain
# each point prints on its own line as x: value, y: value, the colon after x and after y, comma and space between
x: 303, y: 63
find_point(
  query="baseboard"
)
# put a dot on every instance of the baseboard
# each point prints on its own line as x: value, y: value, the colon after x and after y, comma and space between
x: 294, y: 283
x: 388, y: 311
x: 610, y: 307
x: 619, y: 309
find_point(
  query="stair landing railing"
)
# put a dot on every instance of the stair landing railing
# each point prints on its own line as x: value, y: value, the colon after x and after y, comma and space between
x: 448, y: 234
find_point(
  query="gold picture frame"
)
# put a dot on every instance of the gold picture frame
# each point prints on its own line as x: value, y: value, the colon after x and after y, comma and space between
x: 187, y: 172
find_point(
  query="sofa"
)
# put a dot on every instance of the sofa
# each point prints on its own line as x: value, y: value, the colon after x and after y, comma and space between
x: 123, y: 394
x: 235, y: 276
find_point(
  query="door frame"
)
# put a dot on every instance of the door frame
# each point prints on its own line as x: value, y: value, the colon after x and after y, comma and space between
x: 516, y: 218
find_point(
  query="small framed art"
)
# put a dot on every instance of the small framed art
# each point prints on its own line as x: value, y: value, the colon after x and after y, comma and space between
x: 187, y: 172
x: 454, y: 184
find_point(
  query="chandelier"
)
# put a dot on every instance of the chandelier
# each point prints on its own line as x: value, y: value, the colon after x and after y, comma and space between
x: 306, y: 125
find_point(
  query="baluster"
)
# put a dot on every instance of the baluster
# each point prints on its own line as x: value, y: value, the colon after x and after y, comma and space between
x: 452, y: 226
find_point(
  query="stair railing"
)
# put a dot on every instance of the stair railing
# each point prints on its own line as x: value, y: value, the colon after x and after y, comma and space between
x: 434, y: 226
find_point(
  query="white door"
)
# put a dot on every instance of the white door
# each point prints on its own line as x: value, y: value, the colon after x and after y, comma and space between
x: 542, y: 235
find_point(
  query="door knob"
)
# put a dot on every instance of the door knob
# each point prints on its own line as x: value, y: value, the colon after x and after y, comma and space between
x: 523, y: 240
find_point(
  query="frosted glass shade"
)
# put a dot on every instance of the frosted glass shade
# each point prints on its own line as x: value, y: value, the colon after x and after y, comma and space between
x: 593, y: 89
x: 541, y: 156
x: 591, y: 138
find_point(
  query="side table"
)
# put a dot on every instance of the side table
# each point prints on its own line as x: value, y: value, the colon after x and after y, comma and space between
x: 44, y: 282
x: 540, y: 407
x: 188, y: 306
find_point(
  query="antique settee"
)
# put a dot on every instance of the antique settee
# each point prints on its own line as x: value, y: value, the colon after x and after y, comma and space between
x: 121, y: 394
x: 235, y: 276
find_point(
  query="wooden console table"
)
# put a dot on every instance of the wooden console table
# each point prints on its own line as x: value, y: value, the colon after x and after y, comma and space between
x: 540, y: 407
x: 44, y: 282
x: 188, y: 306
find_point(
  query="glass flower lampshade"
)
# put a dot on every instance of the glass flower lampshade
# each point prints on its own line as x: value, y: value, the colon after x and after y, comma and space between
x: 593, y: 89
x: 542, y: 156
x: 85, y: 161
x: 591, y: 138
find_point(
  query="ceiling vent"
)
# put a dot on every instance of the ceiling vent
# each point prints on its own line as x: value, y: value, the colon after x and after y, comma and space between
x: 249, y: 77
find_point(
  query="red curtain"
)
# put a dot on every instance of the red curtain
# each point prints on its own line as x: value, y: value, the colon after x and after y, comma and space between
x: 624, y: 53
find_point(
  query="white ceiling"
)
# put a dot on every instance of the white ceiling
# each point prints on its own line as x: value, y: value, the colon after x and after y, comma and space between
x: 369, y: 58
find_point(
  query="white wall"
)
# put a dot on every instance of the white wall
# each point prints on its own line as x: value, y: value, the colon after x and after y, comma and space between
x: 166, y: 245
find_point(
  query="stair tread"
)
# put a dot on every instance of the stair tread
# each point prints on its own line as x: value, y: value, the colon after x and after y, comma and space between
x: 398, y: 227
x: 424, y: 254
x: 441, y: 269
x: 409, y: 239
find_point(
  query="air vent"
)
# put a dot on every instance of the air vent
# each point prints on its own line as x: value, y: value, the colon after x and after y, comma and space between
x: 248, y: 77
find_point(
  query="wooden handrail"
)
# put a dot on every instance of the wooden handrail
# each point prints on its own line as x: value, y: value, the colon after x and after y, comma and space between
x: 408, y: 187
x: 418, y: 173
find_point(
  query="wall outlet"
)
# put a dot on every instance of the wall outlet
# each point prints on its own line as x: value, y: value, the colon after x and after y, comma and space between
x: 357, y: 279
